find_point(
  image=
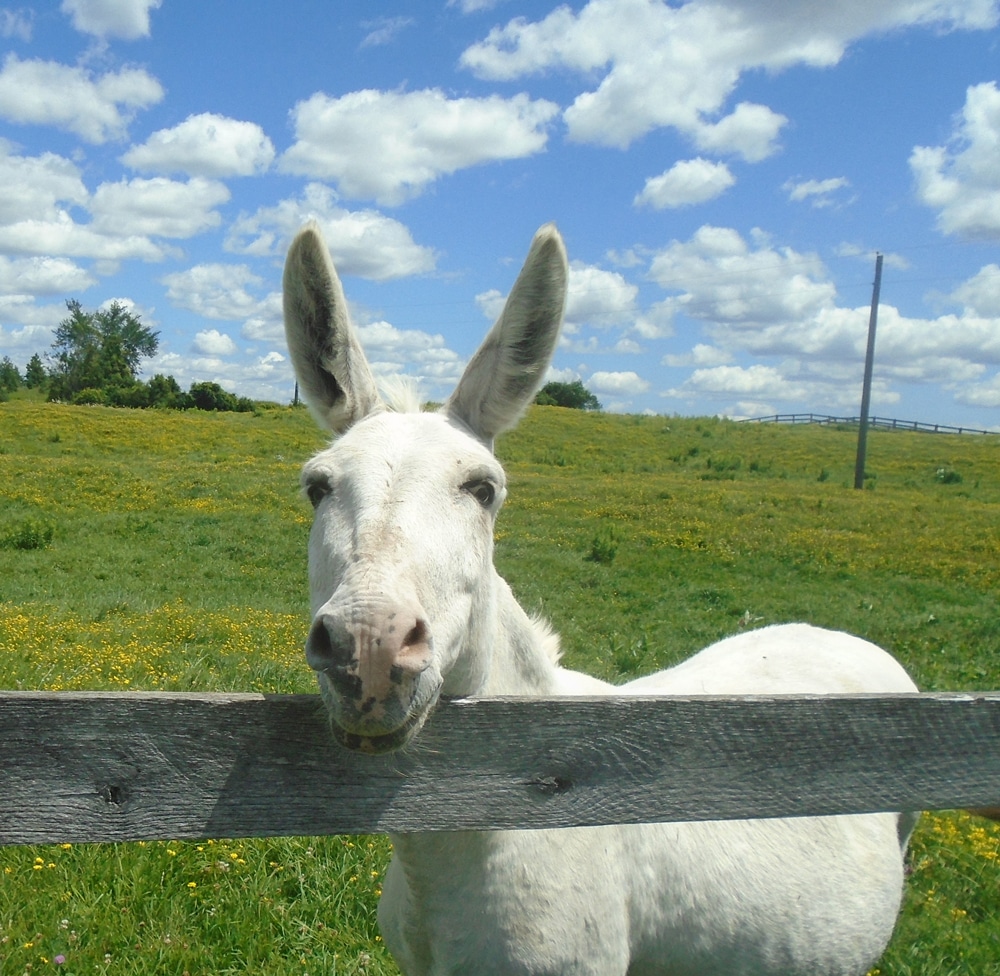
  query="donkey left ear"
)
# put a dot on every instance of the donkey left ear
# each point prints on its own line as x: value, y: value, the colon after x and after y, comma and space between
x: 336, y: 379
x: 509, y: 367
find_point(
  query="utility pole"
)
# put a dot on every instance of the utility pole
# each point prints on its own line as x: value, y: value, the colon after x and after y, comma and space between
x: 866, y: 386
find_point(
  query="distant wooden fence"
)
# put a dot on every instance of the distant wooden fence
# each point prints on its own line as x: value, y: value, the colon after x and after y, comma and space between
x: 883, y: 422
x: 92, y: 766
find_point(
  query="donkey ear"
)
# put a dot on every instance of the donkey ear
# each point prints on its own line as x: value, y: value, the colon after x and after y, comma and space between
x: 509, y: 367
x: 336, y: 380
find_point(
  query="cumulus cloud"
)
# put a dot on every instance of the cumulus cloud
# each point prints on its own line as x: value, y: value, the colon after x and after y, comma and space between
x: 627, y: 383
x: 215, y: 291
x: 39, y: 187
x: 126, y: 19
x: 776, y: 306
x: 97, y: 109
x: 677, y: 65
x: 361, y: 242
x: 42, y: 275
x: 701, y: 355
x: 205, y: 145
x: 818, y: 192
x: 961, y: 180
x: 390, y: 146
x: 980, y: 295
x: 760, y: 293
x: 158, y: 207
x: 598, y: 298
x: 212, y: 342
x: 687, y: 182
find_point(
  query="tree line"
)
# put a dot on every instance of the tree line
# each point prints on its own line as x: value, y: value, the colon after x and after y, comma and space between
x: 95, y: 358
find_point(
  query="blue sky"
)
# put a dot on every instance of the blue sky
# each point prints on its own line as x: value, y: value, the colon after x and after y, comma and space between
x: 722, y: 172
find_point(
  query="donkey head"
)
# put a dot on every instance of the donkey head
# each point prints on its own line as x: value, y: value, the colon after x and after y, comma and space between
x: 401, y: 551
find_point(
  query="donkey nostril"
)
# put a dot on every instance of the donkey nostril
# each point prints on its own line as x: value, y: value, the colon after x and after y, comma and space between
x: 417, y: 635
x: 323, y: 651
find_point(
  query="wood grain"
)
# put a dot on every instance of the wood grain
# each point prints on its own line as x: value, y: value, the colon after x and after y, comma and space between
x: 77, y: 767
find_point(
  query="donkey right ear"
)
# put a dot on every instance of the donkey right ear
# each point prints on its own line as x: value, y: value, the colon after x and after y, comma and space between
x: 337, y: 382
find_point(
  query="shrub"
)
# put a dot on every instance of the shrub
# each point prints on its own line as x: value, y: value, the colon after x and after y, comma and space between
x: 89, y: 397
x: 603, y: 548
x: 211, y: 396
x: 29, y: 534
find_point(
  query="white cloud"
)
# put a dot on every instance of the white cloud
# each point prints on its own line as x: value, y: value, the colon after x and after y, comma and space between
x: 687, y: 182
x: 215, y: 291
x: 17, y: 23
x: 384, y: 30
x: 985, y: 394
x: 665, y: 65
x: 205, y: 145
x: 701, y: 355
x: 754, y: 300
x: 817, y: 192
x: 961, y: 180
x: 63, y: 236
x: 37, y: 187
x: 980, y: 295
x: 598, y: 298
x: 158, y: 207
x: 127, y: 19
x: 42, y: 276
x: 212, y: 342
x: 267, y: 323
x: 474, y: 6
x: 391, y: 145
x: 759, y: 297
x: 268, y: 376
x: 361, y: 242
x: 393, y: 351
x: 626, y: 383
x: 96, y: 109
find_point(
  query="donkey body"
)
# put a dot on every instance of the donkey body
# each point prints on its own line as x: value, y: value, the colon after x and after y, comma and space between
x: 407, y: 607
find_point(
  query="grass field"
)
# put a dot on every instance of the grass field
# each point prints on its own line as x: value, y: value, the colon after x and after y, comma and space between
x: 159, y: 550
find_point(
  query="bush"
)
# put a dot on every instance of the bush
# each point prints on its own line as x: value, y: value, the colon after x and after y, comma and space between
x: 603, y: 548
x: 136, y: 396
x: 29, y: 534
x: 211, y: 396
x: 89, y: 397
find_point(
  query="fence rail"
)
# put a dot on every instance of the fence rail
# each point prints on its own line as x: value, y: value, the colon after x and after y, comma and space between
x: 92, y: 766
x: 883, y: 422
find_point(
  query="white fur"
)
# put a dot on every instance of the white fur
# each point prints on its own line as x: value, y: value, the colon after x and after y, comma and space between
x: 402, y: 541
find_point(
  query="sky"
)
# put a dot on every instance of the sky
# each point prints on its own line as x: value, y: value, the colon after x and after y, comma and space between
x: 723, y: 173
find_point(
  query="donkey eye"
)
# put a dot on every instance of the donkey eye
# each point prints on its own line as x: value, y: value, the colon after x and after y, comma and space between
x: 483, y: 491
x: 317, y: 490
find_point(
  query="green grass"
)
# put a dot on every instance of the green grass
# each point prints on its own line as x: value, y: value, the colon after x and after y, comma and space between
x: 158, y: 550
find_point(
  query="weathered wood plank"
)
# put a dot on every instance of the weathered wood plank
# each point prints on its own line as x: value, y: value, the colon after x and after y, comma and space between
x: 78, y: 767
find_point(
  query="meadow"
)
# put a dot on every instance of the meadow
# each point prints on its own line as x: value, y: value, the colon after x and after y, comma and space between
x: 158, y: 550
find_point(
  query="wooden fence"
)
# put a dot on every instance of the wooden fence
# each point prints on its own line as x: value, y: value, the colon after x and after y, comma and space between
x: 93, y: 766
x: 886, y: 423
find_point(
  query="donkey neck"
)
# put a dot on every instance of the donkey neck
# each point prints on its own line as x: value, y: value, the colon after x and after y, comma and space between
x: 523, y: 652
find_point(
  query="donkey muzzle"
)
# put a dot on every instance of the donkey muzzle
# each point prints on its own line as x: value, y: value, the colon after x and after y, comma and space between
x: 374, y: 670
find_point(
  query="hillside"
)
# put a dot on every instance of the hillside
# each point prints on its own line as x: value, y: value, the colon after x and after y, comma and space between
x: 165, y: 550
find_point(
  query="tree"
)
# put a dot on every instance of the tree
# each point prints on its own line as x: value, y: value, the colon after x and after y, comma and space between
x: 98, y: 350
x: 574, y: 395
x: 10, y: 377
x: 34, y: 373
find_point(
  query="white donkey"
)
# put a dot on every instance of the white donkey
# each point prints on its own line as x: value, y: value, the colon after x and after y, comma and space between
x: 408, y: 607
